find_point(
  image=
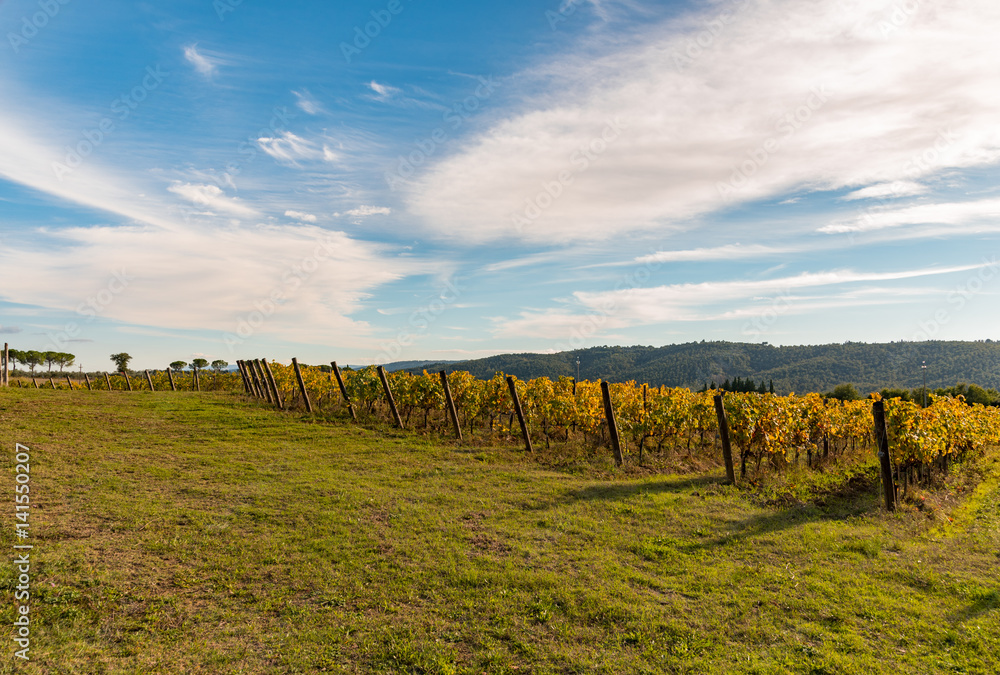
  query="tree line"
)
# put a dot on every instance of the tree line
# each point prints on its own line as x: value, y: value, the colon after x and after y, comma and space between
x: 33, y: 358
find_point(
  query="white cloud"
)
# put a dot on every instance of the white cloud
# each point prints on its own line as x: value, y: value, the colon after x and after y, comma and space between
x: 384, y: 91
x: 365, y: 211
x: 789, y: 95
x: 307, y: 102
x: 207, y: 65
x: 211, y: 197
x: 288, y: 148
x: 984, y: 212
x: 718, y: 253
x: 902, y: 188
x: 299, y: 215
x: 597, y: 313
x: 686, y: 302
x: 209, y: 278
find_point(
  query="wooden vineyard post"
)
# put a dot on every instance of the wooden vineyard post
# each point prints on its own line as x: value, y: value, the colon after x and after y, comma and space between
x: 150, y: 380
x: 170, y: 376
x: 882, y: 436
x: 574, y: 398
x: 34, y: 382
x: 343, y: 391
x: 388, y: 395
x: 451, y: 405
x: 52, y: 383
x: 274, y: 385
x: 519, y: 413
x: 302, y: 386
x: 127, y: 381
x: 247, y: 382
x: 108, y: 379
x: 609, y: 413
x: 69, y: 382
x: 265, y: 385
x: 727, y: 449
x: 254, y: 380
x: 265, y: 382
x: 5, y: 379
x: 196, y: 382
x: 87, y: 378
x: 243, y: 376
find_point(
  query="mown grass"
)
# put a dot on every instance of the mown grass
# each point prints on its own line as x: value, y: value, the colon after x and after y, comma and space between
x: 186, y: 533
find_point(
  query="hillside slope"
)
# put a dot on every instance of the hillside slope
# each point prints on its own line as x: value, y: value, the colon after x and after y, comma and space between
x: 791, y: 368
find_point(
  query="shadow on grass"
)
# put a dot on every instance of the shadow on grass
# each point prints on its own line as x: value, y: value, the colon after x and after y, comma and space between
x: 626, y: 490
x: 987, y: 602
x: 848, y: 503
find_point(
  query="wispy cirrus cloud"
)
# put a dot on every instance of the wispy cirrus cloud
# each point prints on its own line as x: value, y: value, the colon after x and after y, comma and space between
x: 212, y: 197
x: 985, y: 212
x: 206, y: 63
x: 307, y: 103
x: 781, y: 84
x: 721, y: 300
x: 300, y: 216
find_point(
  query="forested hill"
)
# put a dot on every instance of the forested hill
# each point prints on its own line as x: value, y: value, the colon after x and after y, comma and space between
x: 801, y: 369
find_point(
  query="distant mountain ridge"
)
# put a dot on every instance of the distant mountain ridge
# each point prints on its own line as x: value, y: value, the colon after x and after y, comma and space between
x: 805, y: 368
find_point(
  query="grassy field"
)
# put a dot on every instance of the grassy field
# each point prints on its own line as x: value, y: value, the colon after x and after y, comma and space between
x: 186, y: 533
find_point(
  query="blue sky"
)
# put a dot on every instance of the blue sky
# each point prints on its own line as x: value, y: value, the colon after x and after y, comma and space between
x: 379, y: 181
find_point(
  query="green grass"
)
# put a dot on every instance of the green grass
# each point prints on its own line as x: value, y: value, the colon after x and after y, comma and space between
x: 185, y: 533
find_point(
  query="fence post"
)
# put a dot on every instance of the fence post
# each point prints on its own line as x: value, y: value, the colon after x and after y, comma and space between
x: 343, y: 391
x: 6, y: 369
x: 274, y: 385
x: 254, y: 379
x: 87, y: 378
x: 170, y: 376
x: 69, y: 382
x: 609, y: 413
x: 302, y: 386
x: 106, y: 377
x: 881, y: 434
x: 258, y: 364
x: 264, y: 384
x: 727, y: 449
x: 34, y: 382
x: 451, y: 405
x: 196, y: 384
x: 127, y: 381
x: 388, y: 395
x: 243, y: 375
x: 520, y: 413
x: 150, y: 380
x: 52, y: 383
